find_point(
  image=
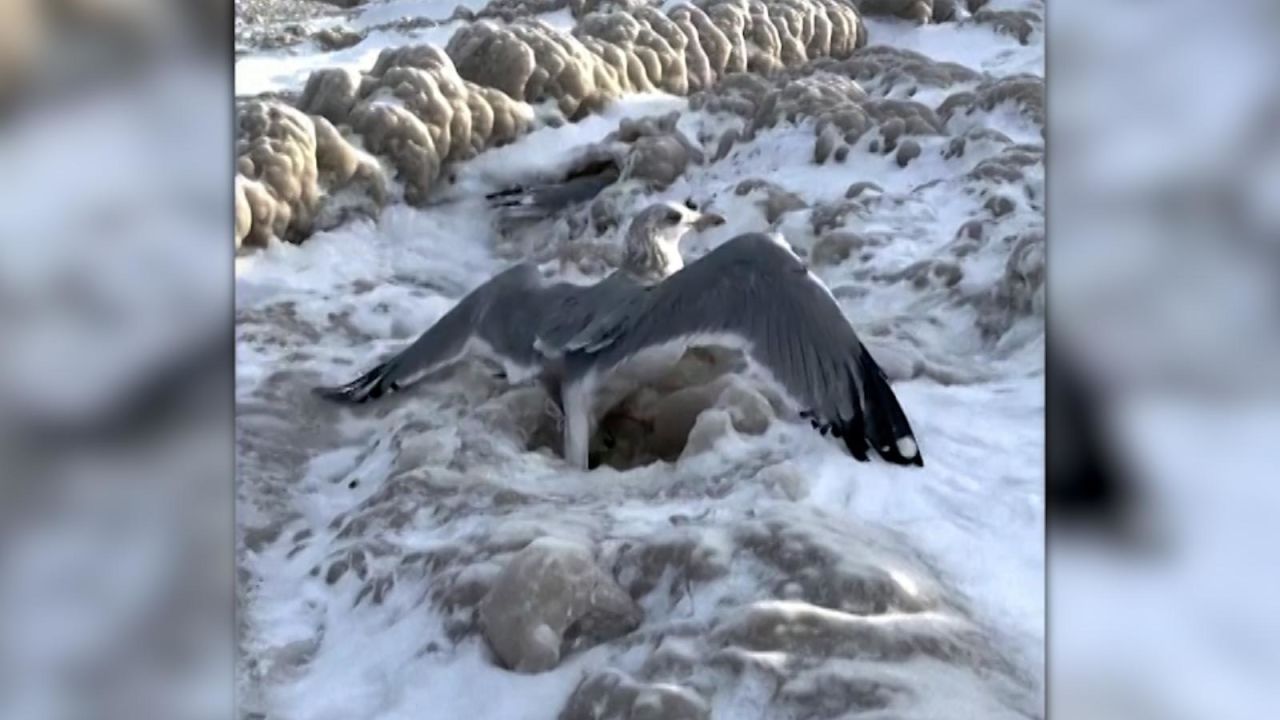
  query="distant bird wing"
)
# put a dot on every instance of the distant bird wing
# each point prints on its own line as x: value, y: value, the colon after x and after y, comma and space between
x: 582, y: 183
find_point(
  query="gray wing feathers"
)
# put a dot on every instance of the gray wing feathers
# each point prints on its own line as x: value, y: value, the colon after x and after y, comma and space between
x: 516, y: 306
x: 491, y: 312
x: 581, y: 313
x: 546, y: 200
x: 605, y: 327
x: 756, y: 290
x: 577, y: 190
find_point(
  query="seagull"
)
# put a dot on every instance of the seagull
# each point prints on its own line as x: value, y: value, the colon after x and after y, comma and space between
x: 518, y: 320
x: 585, y: 179
x: 592, y: 345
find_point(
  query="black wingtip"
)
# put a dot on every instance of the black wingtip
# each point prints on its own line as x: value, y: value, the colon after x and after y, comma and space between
x: 339, y: 393
x: 878, y: 422
x: 369, y: 386
x: 902, y: 451
x: 887, y: 428
x: 505, y: 193
x: 854, y: 434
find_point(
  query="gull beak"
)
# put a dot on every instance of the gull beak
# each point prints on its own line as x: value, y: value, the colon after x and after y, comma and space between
x: 707, y: 220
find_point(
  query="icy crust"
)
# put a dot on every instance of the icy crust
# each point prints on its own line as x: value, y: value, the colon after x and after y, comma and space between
x: 823, y: 616
x: 1026, y: 93
x: 922, y: 11
x: 333, y: 37
x: 287, y: 163
x: 421, y: 108
x: 886, y: 71
x: 544, y: 591
x: 870, y: 95
x: 510, y: 10
x: 1020, y: 23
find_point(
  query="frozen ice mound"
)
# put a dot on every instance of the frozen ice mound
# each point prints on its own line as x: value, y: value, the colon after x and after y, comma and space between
x: 411, y: 111
x: 879, y: 96
x: 672, y: 618
x: 422, y: 108
x: 549, y: 595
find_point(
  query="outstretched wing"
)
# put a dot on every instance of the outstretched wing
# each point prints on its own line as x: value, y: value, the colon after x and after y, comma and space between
x: 759, y: 293
x: 502, y: 313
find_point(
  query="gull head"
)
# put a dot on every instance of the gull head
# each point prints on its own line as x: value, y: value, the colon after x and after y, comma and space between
x: 652, y: 244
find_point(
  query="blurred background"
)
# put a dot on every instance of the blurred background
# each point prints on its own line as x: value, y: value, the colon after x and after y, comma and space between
x: 116, y: 437
x: 116, y: 580
x: 1164, y: 364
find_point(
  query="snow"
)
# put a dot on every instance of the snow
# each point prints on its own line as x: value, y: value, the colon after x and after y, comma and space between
x: 974, y: 46
x: 547, y: 149
x: 377, y: 13
x: 425, y: 473
x: 288, y: 68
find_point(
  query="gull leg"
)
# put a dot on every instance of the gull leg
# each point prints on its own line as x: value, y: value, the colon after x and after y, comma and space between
x: 577, y: 421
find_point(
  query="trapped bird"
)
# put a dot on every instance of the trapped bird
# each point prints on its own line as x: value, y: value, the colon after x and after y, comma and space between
x: 539, y: 200
x: 592, y: 345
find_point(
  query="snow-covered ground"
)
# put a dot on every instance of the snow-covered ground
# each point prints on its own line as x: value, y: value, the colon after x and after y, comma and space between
x: 284, y: 69
x: 368, y: 534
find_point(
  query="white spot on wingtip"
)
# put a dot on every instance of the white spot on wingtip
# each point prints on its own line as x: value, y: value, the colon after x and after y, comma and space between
x: 907, y: 447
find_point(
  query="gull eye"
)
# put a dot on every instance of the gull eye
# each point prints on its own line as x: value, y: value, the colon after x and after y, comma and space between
x: 689, y: 203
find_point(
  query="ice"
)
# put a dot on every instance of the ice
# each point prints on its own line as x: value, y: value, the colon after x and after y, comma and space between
x: 376, y: 13
x: 288, y: 69
x: 974, y: 46
x: 371, y: 535
x: 285, y: 69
